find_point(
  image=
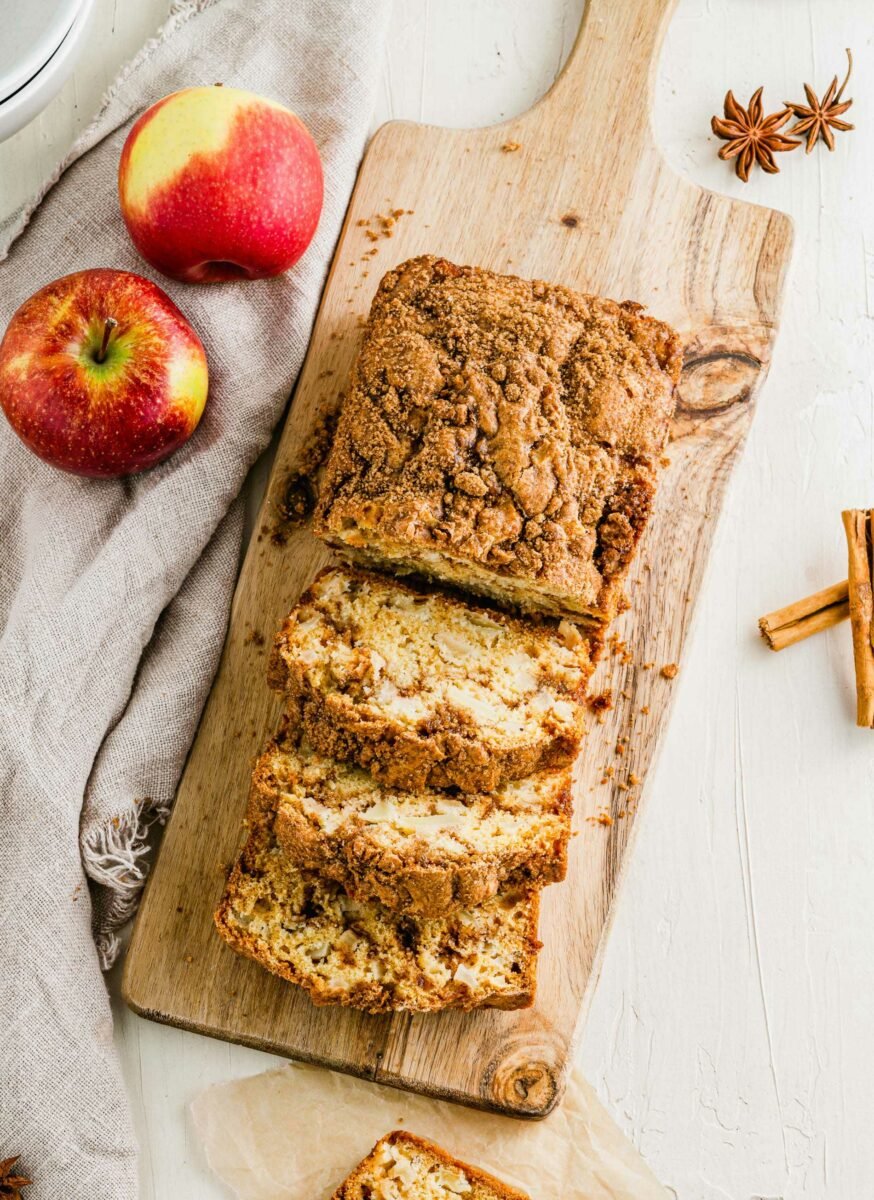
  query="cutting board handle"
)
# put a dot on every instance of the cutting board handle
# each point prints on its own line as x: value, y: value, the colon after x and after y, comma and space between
x: 607, y: 83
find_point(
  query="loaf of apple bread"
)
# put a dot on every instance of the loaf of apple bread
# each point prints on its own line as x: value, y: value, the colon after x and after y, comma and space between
x: 303, y: 927
x: 426, y: 690
x: 426, y: 852
x: 403, y: 1166
x: 502, y: 435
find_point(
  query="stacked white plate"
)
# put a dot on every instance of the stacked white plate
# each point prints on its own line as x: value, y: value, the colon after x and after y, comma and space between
x: 40, y: 45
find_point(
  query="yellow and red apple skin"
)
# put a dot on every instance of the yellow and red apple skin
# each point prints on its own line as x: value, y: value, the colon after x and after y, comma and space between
x: 217, y: 183
x: 109, y: 418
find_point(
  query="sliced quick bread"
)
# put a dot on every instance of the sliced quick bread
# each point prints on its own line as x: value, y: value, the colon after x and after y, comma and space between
x: 502, y: 435
x: 302, y: 926
x: 402, y: 1166
x: 424, y: 852
x: 426, y: 690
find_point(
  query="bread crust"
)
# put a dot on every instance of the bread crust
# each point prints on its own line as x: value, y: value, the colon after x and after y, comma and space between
x: 484, y: 1186
x: 447, y: 749
x: 283, y: 918
x: 503, y: 435
x: 414, y: 873
x: 443, y: 759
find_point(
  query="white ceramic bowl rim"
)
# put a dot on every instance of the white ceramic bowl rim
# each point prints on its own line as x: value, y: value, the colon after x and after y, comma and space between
x: 30, y: 99
x: 33, y: 31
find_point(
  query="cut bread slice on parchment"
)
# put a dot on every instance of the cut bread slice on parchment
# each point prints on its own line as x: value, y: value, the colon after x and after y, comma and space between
x: 403, y: 1166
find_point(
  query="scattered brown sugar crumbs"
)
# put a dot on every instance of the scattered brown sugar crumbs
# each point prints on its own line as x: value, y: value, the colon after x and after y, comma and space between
x: 189, y: 958
x: 634, y: 780
x: 384, y: 223
x: 648, y: 666
x: 570, y: 220
x: 645, y: 710
x: 601, y: 818
x: 620, y: 648
x: 670, y: 671
x: 621, y: 748
x: 664, y: 461
x: 510, y: 147
x: 254, y: 638
x: 601, y: 703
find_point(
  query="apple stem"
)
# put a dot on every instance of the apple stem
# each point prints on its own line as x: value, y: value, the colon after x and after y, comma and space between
x: 107, y: 334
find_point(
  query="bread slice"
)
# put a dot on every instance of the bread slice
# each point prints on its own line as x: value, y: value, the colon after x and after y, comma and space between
x: 503, y: 435
x: 425, y: 690
x: 421, y: 852
x: 402, y: 1166
x: 303, y: 927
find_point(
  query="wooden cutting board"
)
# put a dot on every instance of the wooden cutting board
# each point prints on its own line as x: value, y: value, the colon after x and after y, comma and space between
x: 574, y: 192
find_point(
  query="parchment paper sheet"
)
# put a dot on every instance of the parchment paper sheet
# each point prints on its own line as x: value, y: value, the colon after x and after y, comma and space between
x: 295, y: 1133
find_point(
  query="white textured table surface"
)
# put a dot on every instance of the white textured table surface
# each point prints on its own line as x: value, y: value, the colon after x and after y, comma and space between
x: 731, y: 1031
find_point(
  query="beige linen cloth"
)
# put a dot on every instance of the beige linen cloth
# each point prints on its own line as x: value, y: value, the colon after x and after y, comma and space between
x: 114, y: 595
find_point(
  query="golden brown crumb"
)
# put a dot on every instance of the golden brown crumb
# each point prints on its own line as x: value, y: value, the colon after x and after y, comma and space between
x: 330, y: 662
x: 634, y: 780
x: 670, y: 671
x: 515, y: 397
x: 645, y: 710
x: 517, y: 833
x: 510, y: 147
x: 621, y: 648
x: 277, y: 914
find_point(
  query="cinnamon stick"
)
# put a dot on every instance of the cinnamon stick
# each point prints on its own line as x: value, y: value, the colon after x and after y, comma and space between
x: 857, y: 525
x: 798, y: 621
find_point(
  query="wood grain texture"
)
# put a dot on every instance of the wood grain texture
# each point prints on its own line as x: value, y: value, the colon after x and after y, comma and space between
x: 586, y: 200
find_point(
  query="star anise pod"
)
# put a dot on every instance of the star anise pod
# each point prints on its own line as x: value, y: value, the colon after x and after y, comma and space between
x: 11, y: 1185
x: 817, y: 118
x: 752, y: 137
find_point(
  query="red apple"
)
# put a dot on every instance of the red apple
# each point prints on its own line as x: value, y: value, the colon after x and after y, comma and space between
x: 216, y: 183
x: 101, y: 374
